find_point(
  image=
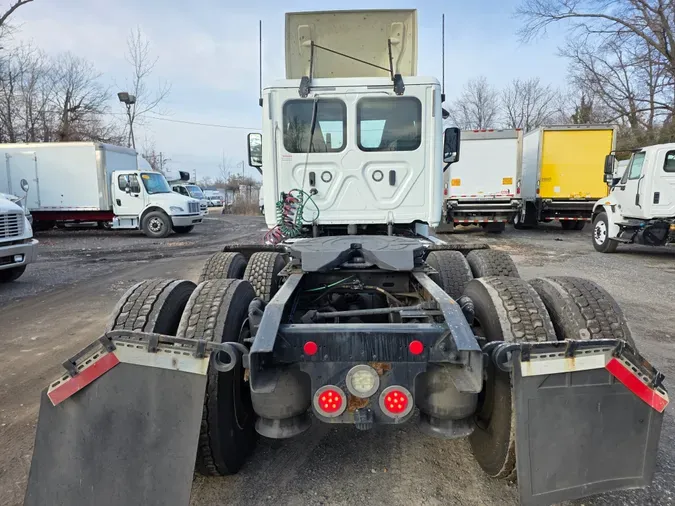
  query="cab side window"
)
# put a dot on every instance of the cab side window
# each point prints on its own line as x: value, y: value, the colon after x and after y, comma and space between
x: 669, y: 164
x: 123, y: 182
x: 129, y: 180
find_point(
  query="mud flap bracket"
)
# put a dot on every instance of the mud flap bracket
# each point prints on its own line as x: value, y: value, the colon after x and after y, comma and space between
x: 588, y: 419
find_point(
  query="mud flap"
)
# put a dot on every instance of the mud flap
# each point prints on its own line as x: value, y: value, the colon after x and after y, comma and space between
x: 588, y: 420
x: 123, y: 430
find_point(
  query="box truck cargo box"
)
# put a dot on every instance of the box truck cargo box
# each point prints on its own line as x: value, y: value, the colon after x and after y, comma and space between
x: 481, y: 188
x: 562, y: 174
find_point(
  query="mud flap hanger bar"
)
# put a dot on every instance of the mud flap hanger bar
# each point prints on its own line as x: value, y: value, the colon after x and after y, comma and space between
x: 198, y: 347
x: 619, y: 358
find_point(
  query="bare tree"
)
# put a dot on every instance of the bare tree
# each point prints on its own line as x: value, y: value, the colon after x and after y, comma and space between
x: 528, y: 104
x: 80, y: 101
x: 477, y: 106
x: 143, y: 64
x: 4, y: 17
x: 622, y: 49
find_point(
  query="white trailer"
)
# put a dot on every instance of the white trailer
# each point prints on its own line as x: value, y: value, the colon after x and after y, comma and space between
x: 481, y: 188
x: 95, y: 182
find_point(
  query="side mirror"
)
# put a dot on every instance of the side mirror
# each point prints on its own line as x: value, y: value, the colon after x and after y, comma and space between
x: 255, y: 150
x: 446, y: 114
x: 610, y: 161
x: 451, y: 145
x: 127, y: 189
x: 615, y: 181
x: 24, y: 185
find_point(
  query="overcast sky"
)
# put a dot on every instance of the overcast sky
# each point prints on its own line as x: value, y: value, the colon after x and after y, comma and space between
x: 209, y: 53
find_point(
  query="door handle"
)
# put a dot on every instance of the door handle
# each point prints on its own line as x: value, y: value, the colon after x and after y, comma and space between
x: 392, y: 177
x: 312, y: 179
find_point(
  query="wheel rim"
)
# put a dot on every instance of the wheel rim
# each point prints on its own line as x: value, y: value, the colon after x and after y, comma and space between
x: 156, y: 225
x: 600, y: 232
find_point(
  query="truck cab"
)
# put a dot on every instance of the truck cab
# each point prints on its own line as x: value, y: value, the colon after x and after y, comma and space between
x: 640, y: 207
x: 17, y: 246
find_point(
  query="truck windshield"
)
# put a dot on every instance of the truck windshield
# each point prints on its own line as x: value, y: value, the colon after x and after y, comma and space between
x: 195, y: 192
x: 155, y: 183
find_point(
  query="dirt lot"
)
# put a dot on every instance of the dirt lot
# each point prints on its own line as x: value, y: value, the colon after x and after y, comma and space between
x: 62, y: 303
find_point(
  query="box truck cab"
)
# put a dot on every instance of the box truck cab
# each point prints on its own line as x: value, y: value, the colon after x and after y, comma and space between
x: 640, y: 207
x: 17, y: 246
x: 96, y: 182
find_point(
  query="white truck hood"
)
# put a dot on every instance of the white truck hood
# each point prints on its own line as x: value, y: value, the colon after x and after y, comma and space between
x: 7, y: 205
x: 171, y: 199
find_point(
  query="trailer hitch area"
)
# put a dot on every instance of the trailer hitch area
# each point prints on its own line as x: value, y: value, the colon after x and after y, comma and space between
x: 588, y: 417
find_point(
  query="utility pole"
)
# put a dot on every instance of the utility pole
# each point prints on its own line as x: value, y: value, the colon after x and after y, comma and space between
x: 161, y: 162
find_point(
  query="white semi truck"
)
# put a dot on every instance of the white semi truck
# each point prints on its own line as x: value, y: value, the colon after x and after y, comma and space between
x: 17, y: 246
x: 482, y: 188
x: 640, y: 207
x: 96, y: 182
x: 352, y: 314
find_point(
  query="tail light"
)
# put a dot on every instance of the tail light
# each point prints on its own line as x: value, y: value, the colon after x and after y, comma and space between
x: 396, y: 401
x: 330, y: 401
x: 518, y: 188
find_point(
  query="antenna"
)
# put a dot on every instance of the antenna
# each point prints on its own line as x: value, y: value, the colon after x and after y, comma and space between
x: 260, y: 63
x: 443, y: 57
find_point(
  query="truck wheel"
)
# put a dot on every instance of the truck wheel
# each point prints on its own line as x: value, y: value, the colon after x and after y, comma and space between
x: 156, y: 224
x: 490, y: 262
x: 224, y: 266
x: 454, y: 271
x: 8, y: 275
x: 183, y: 230
x: 218, y: 310
x: 580, y: 309
x: 153, y: 305
x: 601, y: 240
x: 579, y: 225
x: 506, y: 309
x: 262, y: 272
x: 568, y: 224
x: 495, y: 228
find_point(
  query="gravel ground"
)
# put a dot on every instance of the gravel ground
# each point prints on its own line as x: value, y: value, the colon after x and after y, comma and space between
x: 62, y: 303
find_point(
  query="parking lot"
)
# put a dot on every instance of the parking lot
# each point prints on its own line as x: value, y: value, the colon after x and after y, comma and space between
x: 62, y: 302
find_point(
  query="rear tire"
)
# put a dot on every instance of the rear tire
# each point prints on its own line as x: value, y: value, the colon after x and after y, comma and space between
x: 601, y: 240
x: 490, y: 262
x: 507, y: 309
x: 581, y: 310
x: 262, y: 272
x: 229, y: 265
x: 454, y: 271
x: 156, y: 225
x: 153, y: 305
x: 9, y: 275
x: 218, y: 311
x: 183, y: 230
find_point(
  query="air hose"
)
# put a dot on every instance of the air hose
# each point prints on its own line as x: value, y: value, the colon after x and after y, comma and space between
x: 290, y: 211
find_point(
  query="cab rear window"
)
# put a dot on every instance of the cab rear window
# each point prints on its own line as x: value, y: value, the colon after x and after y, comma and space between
x: 330, y: 126
x: 389, y: 123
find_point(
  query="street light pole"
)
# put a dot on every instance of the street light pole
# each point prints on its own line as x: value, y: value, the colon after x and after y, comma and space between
x: 129, y: 100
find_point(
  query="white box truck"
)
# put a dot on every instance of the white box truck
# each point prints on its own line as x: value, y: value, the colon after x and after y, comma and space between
x: 481, y: 188
x: 95, y: 182
x: 562, y: 175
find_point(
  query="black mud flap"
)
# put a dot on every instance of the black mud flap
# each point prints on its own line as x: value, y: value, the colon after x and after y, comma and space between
x: 122, y: 430
x: 588, y: 419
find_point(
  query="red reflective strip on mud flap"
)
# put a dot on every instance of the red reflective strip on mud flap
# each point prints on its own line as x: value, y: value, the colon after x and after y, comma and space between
x: 633, y: 383
x: 87, y: 375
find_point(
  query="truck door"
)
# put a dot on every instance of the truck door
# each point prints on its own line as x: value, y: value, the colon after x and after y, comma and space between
x: 128, y: 194
x: 630, y: 192
x: 661, y: 197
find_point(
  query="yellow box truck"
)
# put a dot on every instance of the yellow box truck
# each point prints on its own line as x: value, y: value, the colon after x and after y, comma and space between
x: 562, y: 174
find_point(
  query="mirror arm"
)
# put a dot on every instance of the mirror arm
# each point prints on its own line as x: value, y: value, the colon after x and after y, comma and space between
x: 447, y: 165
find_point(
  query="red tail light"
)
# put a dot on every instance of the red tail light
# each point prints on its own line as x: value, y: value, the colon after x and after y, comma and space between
x: 416, y: 347
x: 445, y: 191
x: 518, y: 188
x: 396, y: 401
x: 330, y: 401
x: 310, y: 348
